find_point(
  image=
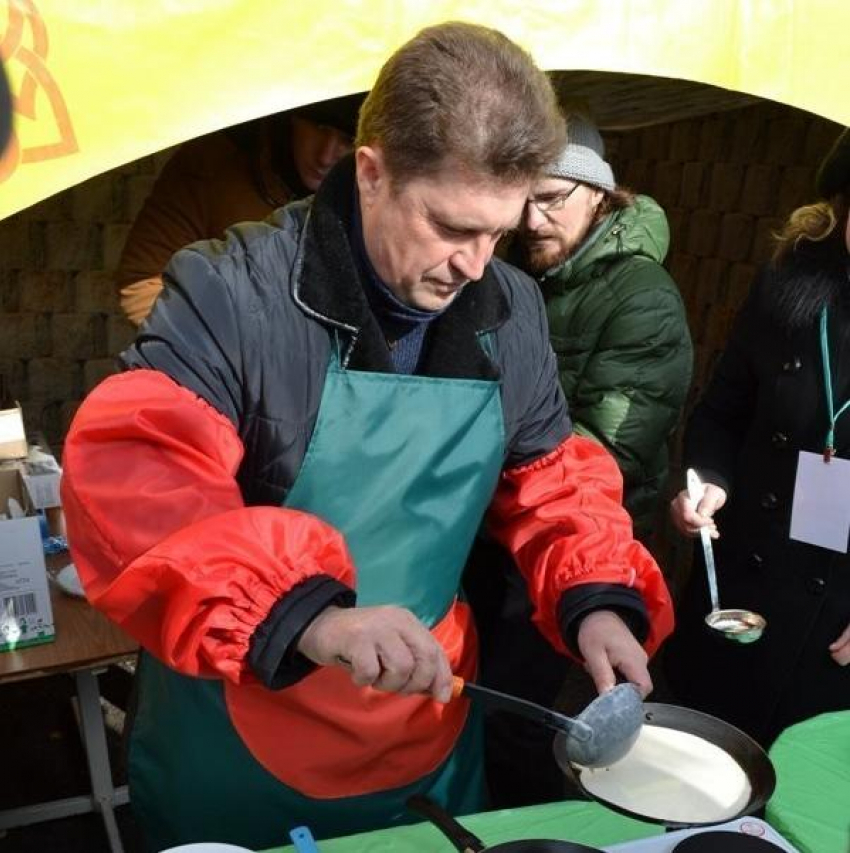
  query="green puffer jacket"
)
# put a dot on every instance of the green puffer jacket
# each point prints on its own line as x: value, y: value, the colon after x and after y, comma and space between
x: 619, y: 330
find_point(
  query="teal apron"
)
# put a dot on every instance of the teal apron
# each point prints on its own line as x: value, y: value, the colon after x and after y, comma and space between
x: 405, y: 467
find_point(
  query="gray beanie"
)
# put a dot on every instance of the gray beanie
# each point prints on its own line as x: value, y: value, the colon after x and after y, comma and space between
x: 583, y: 157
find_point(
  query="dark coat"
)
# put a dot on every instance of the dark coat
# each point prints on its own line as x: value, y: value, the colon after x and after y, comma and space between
x: 764, y: 404
x: 293, y: 279
x: 248, y: 324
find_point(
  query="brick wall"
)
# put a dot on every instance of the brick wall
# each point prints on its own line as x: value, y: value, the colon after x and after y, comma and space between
x: 726, y: 181
x: 59, y: 323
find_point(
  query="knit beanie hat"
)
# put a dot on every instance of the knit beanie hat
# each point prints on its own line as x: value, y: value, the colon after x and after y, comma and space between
x: 834, y: 172
x: 583, y: 157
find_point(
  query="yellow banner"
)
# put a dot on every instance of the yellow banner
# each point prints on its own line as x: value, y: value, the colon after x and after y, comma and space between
x: 98, y: 83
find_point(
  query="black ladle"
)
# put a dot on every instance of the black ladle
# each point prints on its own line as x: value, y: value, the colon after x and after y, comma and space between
x: 599, y: 736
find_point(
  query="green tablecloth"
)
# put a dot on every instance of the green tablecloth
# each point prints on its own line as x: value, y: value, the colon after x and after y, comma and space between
x: 583, y: 822
x: 811, y: 805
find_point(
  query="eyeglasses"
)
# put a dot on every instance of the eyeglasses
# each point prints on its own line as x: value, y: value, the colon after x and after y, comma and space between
x: 550, y: 205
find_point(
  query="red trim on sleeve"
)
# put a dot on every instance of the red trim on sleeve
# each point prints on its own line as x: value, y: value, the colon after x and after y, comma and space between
x: 159, y: 532
x: 562, y: 518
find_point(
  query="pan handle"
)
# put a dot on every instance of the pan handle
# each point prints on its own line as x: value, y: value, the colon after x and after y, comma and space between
x: 461, y: 837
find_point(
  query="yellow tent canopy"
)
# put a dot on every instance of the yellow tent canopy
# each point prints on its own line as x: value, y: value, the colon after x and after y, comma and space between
x: 99, y: 83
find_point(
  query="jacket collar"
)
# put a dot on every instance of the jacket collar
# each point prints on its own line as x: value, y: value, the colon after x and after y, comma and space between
x: 328, y: 285
x: 562, y: 276
x: 809, y: 277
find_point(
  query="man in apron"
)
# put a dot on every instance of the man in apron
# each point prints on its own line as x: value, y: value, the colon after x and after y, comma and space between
x: 278, y: 495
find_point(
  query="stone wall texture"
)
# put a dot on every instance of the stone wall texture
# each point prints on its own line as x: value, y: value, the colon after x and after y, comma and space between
x: 60, y: 326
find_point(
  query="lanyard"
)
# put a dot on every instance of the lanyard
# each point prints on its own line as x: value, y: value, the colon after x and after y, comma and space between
x: 829, y: 446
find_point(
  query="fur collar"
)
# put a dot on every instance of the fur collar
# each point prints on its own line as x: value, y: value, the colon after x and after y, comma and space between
x: 328, y: 284
x: 806, y: 279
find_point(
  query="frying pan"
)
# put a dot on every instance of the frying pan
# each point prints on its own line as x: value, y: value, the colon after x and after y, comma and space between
x: 752, y: 759
x: 466, y: 842
x: 725, y: 842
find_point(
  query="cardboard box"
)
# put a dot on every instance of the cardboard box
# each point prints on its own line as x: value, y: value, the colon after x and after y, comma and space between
x: 13, y: 440
x: 26, y: 615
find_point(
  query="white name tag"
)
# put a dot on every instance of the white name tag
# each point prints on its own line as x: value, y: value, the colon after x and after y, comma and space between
x: 820, y: 513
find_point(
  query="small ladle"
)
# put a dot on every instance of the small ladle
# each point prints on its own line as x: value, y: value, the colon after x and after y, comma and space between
x: 600, y: 735
x: 739, y: 626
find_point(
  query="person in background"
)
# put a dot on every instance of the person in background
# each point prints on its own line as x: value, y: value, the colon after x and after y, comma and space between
x: 616, y: 318
x: 772, y: 431
x: 235, y: 175
x: 619, y: 331
x: 278, y: 497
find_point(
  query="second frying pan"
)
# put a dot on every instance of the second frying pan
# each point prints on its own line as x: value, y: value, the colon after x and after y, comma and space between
x: 725, y: 842
x: 464, y: 841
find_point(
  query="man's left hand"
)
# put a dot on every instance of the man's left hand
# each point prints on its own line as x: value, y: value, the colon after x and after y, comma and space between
x: 608, y: 646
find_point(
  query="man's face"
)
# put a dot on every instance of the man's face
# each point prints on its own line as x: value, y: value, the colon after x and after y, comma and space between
x: 315, y: 149
x: 427, y: 237
x: 557, y: 218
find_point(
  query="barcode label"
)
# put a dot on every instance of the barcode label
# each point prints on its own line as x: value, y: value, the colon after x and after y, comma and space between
x: 20, y: 605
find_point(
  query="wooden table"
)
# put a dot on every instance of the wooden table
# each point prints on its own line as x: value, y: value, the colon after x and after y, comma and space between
x: 86, y: 642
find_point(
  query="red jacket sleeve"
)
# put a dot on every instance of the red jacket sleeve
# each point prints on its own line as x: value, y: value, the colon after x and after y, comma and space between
x: 562, y: 518
x: 159, y: 532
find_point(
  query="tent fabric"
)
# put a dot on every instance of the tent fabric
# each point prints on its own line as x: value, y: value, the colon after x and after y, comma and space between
x: 99, y: 84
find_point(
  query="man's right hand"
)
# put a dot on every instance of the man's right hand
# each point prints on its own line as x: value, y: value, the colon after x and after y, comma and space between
x: 387, y: 648
x: 689, y: 519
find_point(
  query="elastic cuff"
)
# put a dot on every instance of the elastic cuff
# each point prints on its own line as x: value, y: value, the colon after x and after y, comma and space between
x: 578, y: 602
x: 272, y: 655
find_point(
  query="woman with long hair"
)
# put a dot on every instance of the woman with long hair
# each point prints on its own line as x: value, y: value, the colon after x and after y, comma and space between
x: 771, y: 440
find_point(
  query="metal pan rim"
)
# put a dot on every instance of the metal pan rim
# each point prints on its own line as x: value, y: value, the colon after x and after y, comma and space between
x: 737, y: 744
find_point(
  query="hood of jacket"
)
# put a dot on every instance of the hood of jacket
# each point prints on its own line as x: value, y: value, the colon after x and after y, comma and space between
x: 638, y: 230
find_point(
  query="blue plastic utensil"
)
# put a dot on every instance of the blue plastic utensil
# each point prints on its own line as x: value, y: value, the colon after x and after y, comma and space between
x: 303, y: 840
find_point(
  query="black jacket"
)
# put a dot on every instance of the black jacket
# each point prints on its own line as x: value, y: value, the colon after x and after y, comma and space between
x: 258, y: 313
x: 764, y: 404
